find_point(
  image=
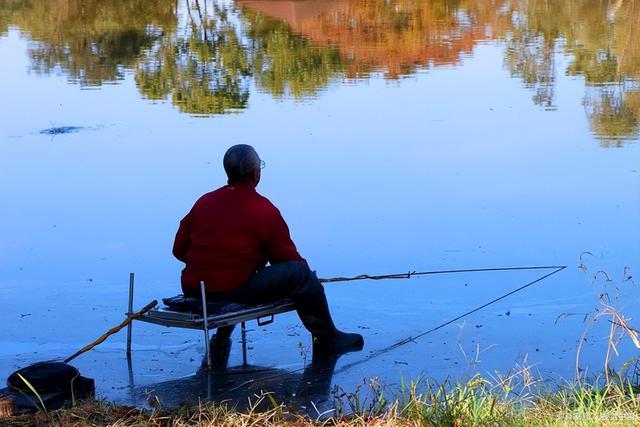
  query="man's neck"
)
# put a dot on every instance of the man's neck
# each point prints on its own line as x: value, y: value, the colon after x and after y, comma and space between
x: 241, y: 184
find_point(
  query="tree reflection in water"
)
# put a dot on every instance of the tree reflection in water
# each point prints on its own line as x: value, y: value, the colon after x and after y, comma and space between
x: 204, y: 68
x: 204, y: 55
x: 601, y: 38
x: 91, y: 41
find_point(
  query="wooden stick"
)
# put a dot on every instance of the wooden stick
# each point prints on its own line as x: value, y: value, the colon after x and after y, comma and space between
x: 112, y: 331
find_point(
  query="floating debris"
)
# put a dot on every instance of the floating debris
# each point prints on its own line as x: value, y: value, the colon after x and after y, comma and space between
x: 58, y: 130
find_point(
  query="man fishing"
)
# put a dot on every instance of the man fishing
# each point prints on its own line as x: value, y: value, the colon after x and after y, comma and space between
x: 237, y: 242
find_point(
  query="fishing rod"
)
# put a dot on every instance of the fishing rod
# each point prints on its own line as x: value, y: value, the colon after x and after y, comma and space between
x: 410, y: 274
x: 412, y: 338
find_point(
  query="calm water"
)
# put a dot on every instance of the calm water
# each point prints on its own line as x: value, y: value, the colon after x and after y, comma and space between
x: 397, y: 136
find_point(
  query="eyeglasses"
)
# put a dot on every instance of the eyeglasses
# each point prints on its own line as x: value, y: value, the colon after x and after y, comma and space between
x: 262, y: 164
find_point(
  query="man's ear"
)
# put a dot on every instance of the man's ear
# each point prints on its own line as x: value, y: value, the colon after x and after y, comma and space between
x: 256, y: 175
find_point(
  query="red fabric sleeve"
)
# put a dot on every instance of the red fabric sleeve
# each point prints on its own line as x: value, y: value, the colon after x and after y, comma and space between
x: 183, y: 240
x: 279, y: 246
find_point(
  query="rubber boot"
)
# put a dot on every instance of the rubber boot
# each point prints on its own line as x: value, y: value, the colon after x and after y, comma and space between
x: 339, y: 342
x: 220, y: 348
x: 317, y: 320
x: 224, y: 332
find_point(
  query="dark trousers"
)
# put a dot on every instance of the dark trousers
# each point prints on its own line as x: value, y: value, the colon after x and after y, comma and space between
x: 289, y: 279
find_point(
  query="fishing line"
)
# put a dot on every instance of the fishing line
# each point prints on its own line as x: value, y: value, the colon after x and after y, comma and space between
x: 413, y: 338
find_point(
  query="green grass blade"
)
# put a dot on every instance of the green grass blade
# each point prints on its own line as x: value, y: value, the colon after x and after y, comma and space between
x: 33, y: 390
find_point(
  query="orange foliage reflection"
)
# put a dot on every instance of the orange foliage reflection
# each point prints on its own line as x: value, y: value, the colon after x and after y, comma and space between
x: 395, y: 36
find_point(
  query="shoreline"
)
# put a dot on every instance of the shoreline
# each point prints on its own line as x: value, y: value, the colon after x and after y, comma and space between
x: 514, y: 399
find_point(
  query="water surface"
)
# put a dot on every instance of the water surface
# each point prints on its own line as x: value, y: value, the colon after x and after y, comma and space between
x: 398, y: 136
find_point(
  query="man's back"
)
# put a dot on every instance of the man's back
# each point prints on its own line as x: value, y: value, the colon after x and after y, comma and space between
x: 227, y: 235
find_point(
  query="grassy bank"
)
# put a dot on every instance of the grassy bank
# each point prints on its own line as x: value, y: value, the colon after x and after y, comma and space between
x: 510, y: 400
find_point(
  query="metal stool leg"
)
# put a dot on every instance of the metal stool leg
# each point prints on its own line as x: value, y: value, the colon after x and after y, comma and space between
x: 205, y: 324
x: 129, y: 311
x: 244, y: 344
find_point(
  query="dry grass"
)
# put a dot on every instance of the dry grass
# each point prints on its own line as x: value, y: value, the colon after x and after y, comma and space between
x: 514, y: 399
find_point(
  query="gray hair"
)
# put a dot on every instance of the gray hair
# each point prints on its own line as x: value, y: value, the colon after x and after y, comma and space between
x: 240, y: 161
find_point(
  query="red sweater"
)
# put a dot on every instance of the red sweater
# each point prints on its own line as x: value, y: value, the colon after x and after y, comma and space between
x: 227, y: 235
